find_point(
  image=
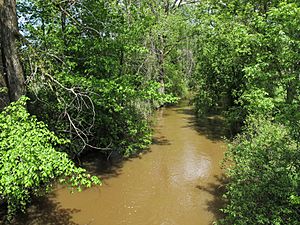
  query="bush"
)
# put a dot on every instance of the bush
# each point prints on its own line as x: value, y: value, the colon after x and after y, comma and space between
x: 29, y: 162
x: 264, y: 173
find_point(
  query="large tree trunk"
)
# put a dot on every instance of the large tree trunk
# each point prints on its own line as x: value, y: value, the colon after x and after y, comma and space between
x: 4, y: 97
x: 11, y: 72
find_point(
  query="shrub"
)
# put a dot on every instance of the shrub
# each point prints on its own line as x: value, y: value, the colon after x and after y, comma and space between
x: 29, y: 162
x: 264, y: 173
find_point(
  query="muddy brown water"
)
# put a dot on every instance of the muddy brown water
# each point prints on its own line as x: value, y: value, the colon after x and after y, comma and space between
x: 177, y: 182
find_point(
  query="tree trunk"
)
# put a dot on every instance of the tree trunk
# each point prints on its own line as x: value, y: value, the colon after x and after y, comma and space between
x: 161, y: 75
x: 11, y: 72
x: 4, y: 97
x: 160, y: 52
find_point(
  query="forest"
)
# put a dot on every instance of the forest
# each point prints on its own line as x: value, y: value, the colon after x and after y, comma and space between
x: 78, y: 76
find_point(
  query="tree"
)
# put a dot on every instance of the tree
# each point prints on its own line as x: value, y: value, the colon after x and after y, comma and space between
x: 12, y: 81
x: 248, y: 61
x: 92, y: 72
x: 29, y: 156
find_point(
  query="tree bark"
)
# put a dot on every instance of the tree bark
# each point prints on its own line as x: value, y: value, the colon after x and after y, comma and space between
x: 161, y: 75
x: 11, y: 72
x: 4, y: 97
x: 160, y: 54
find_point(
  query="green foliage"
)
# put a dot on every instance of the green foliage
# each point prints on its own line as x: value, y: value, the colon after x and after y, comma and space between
x: 248, y: 67
x: 257, y: 102
x: 29, y: 162
x: 264, y: 173
x: 103, y: 66
x: 244, y: 51
x: 98, y: 70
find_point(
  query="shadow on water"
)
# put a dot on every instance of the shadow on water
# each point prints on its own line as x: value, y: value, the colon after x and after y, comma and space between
x: 110, y: 165
x: 215, y: 189
x: 44, y: 211
x: 161, y: 140
x: 104, y: 166
x: 211, y: 126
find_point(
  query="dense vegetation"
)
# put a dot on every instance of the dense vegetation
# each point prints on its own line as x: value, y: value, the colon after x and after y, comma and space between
x: 29, y: 160
x: 94, y: 71
x: 248, y: 69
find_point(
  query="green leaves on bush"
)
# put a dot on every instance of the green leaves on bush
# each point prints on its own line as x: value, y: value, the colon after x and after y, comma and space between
x: 29, y: 161
x: 264, y: 175
x: 248, y: 69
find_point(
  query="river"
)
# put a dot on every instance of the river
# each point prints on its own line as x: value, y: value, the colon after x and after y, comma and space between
x: 177, y: 182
